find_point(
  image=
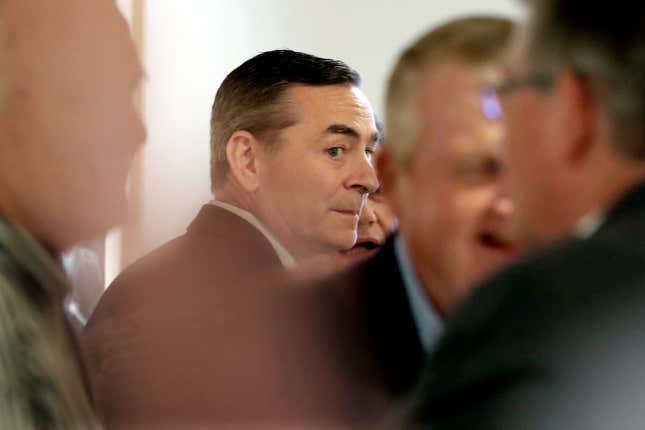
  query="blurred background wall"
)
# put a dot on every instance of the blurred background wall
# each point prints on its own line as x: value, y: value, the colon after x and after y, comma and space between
x: 189, y: 46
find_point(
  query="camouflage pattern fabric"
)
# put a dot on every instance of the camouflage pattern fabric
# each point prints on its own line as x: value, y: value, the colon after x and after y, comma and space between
x: 41, y: 378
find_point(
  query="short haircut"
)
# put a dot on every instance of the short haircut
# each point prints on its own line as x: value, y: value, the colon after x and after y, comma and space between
x: 477, y: 40
x: 253, y: 98
x: 605, y: 44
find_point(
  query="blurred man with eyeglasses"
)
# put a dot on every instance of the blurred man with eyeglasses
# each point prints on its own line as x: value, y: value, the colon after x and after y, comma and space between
x: 556, y: 341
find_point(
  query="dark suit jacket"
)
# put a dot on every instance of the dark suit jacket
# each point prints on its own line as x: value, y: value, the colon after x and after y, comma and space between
x: 557, y: 341
x: 378, y: 306
x: 192, y: 337
x: 143, y: 321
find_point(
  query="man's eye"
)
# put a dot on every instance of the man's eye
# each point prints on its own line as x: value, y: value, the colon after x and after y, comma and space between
x: 481, y: 170
x: 491, y: 167
x: 369, y: 152
x: 335, y: 152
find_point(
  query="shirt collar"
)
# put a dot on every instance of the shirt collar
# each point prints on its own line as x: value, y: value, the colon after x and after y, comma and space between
x: 287, y: 260
x: 589, y: 224
x: 429, y: 324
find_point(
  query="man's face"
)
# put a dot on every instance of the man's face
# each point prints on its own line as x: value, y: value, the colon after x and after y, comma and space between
x: 376, y: 223
x: 534, y: 177
x: 453, y: 213
x: 314, y: 184
x: 70, y: 115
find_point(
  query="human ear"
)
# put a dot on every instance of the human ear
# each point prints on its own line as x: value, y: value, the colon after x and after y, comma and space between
x: 578, y: 116
x: 389, y: 172
x: 242, y: 152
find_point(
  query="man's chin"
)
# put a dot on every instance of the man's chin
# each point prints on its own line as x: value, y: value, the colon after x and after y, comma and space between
x: 358, y: 253
x: 527, y: 235
x: 486, y: 262
x: 106, y: 217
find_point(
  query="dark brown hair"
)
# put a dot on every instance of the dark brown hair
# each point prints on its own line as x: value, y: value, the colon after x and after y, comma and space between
x: 252, y: 98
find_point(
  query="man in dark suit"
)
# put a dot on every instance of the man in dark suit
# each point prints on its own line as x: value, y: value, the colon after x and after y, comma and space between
x: 291, y: 139
x: 556, y: 341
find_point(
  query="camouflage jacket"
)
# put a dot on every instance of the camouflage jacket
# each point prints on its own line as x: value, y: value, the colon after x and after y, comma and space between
x: 41, y: 377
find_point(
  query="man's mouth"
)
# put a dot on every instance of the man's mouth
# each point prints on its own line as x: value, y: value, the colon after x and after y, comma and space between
x: 348, y: 212
x: 367, y: 244
x: 364, y: 248
x: 496, y: 242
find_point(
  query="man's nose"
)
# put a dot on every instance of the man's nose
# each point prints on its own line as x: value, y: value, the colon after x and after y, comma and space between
x: 364, y: 176
x: 368, y: 216
x: 502, y: 207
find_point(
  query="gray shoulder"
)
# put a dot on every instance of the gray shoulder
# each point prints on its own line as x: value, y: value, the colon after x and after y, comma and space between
x: 561, y: 275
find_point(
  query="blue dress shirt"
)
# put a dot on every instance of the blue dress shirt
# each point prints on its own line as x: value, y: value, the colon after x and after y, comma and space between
x: 429, y: 324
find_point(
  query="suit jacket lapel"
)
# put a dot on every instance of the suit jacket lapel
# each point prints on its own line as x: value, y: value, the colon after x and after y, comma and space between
x: 392, y: 329
x: 628, y: 210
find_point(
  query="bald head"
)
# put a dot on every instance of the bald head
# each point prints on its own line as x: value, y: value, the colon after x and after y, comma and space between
x: 68, y: 128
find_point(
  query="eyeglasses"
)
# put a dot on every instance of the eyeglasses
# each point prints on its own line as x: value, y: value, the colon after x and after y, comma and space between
x: 491, y: 106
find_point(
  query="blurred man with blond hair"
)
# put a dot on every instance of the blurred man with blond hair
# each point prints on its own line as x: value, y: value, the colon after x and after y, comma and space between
x: 68, y: 132
x: 440, y: 172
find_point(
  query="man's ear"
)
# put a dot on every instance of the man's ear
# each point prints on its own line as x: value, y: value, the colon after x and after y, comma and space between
x: 388, y: 172
x: 579, y: 113
x: 242, y: 152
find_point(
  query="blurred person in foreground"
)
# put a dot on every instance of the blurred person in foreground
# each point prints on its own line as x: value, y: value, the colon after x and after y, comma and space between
x: 440, y: 172
x: 556, y: 341
x: 68, y: 132
x: 189, y: 335
x: 376, y: 223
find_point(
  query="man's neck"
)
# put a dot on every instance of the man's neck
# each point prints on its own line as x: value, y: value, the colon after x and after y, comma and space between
x: 436, y: 287
x: 604, y: 192
x: 226, y: 195
x: 14, y: 215
x: 300, y: 250
x: 243, y: 208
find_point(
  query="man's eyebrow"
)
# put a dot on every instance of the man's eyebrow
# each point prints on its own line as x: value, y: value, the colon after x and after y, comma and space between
x: 351, y: 131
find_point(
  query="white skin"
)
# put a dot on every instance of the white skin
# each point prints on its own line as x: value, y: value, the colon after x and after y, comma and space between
x: 309, y: 191
x: 561, y: 161
x: 69, y: 128
x: 376, y: 223
x: 453, y: 212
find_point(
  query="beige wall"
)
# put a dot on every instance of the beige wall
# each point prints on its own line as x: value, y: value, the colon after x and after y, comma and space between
x: 123, y: 245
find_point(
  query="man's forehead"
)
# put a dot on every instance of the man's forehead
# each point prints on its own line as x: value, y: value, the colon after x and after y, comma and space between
x: 452, y: 111
x: 454, y: 89
x: 74, y: 27
x: 327, y: 98
x: 48, y: 15
x: 333, y: 105
x: 515, y: 55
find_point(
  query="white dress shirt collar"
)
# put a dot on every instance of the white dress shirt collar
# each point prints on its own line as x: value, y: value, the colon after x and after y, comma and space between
x: 285, y: 257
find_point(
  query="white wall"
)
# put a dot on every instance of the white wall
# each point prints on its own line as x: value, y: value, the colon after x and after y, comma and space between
x: 192, y: 44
